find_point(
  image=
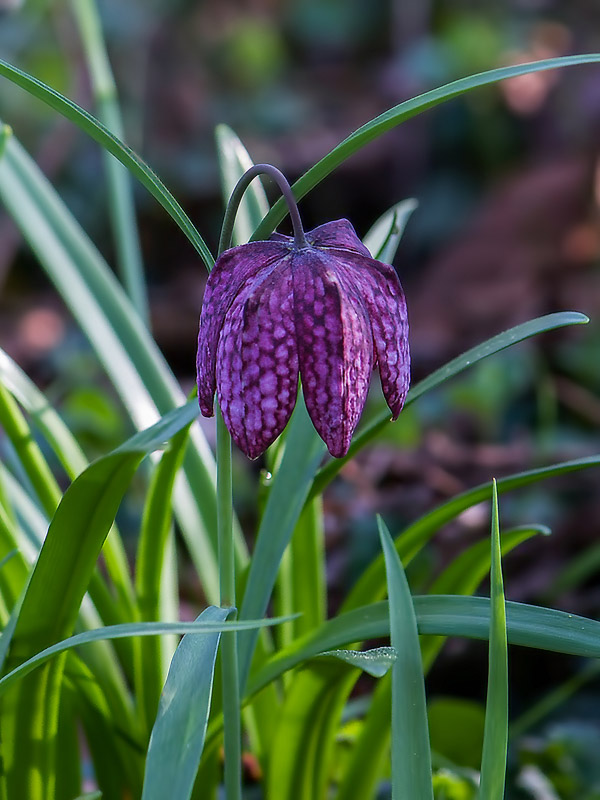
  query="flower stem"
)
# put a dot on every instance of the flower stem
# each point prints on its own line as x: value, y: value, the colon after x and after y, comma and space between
x: 229, y: 656
x: 225, y: 515
x: 238, y: 193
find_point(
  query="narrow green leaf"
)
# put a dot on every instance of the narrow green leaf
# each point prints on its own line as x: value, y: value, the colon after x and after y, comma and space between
x: 233, y: 162
x: 411, y: 756
x: 66, y: 562
x: 462, y: 576
x: 110, y: 142
x: 375, y: 662
x: 100, y: 659
x: 495, y: 738
x: 116, y: 748
x: 178, y: 735
x: 443, y: 615
x: 28, y: 452
x: 153, y: 563
x: 68, y: 765
x: 494, y: 345
x: 299, y: 764
x: 384, y: 236
x: 400, y: 113
x: 44, y: 417
x: 307, y: 550
x: 125, y: 631
x: 74, y: 461
x: 369, y: 759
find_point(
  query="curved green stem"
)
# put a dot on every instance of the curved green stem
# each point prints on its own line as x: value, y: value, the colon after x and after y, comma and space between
x: 238, y: 193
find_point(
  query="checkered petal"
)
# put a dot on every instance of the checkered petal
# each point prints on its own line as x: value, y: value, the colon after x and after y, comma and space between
x: 381, y: 292
x: 232, y: 270
x: 257, y: 361
x: 335, y: 350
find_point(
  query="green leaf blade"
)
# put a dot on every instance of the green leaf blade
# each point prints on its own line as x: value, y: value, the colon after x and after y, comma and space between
x: 495, y: 738
x: 375, y: 662
x: 384, y: 236
x: 123, y: 345
x: 178, y: 734
x: 441, y: 615
x: 411, y: 756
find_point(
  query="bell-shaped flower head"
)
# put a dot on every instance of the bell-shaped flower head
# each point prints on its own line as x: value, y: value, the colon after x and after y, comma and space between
x: 321, y: 309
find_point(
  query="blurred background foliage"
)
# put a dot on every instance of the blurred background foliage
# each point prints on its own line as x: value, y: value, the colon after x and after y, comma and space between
x: 508, y: 186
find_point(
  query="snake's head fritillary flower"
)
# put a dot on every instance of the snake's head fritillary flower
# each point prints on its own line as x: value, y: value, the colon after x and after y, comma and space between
x: 326, y: 311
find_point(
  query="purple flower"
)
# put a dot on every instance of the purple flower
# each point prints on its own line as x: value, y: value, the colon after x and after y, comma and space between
x: 328, y: 312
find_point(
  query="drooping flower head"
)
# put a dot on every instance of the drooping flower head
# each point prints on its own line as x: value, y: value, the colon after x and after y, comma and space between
x: 322, y: 309
x: 316, y: 306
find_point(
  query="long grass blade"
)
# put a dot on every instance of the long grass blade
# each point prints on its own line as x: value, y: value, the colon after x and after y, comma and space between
x: 48, y: 492
x: 72, y: 458
x: 44, y: 417
x: 495, y: 738
x: 153, y: 563
x: 66, y: 562
x: 411, y: 756
x: 303, y: 452
x: 299, y: 763
x: 462, y: 576
x: 28, y: 452
x: 307, y: 549
x: 77, y: 531
x: 369, y: 758
x: 178, y: 735
x: 384, y: 236
x: 442, y: 615
x: 126, y: 631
